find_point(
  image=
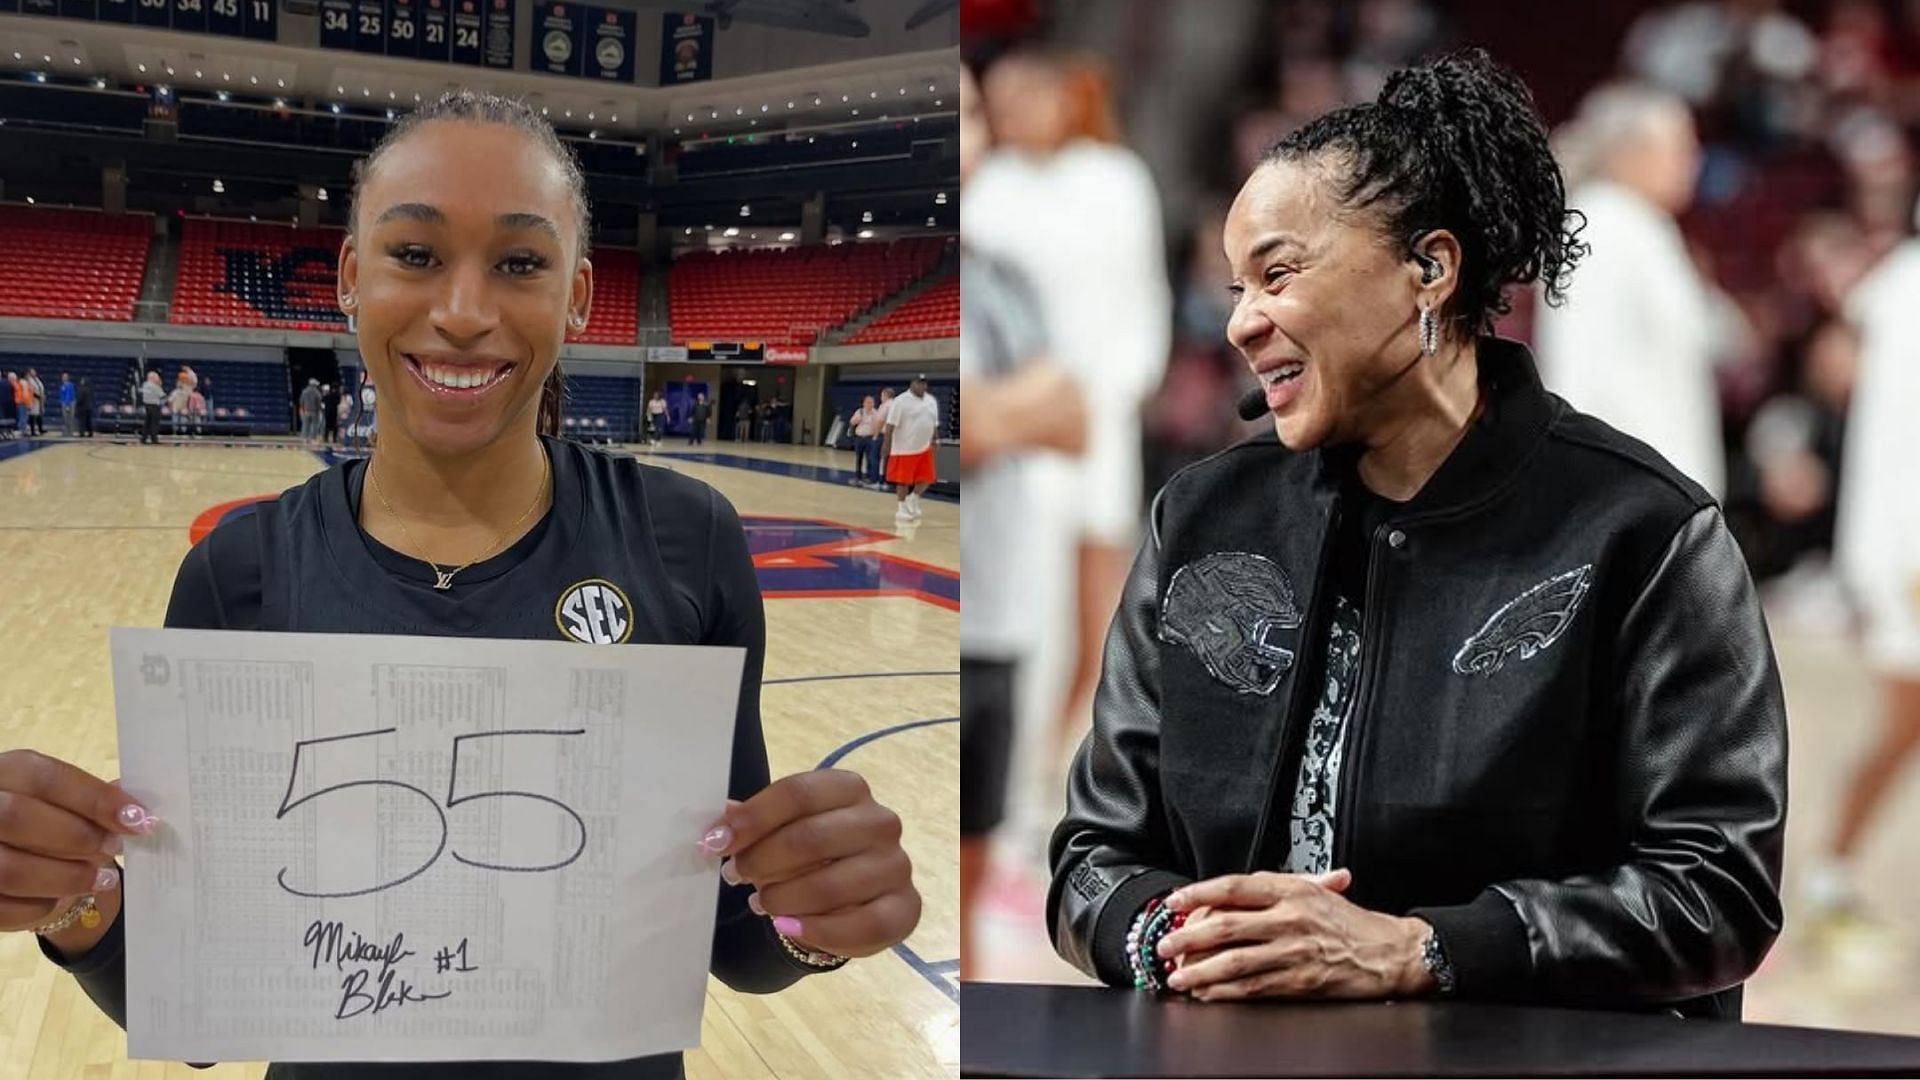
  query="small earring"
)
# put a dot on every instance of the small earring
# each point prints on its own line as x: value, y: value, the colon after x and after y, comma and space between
x: 346, y: 299
x: 1429, y: 332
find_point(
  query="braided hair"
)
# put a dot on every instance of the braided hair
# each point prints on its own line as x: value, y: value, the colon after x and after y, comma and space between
x: 485, y: 108
x: 1454, y: 144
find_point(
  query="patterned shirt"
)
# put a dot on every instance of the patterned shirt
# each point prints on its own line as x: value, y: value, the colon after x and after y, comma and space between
x: 1310, y: 819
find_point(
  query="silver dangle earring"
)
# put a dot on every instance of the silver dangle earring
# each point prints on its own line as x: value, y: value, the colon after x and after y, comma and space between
x: 1429, y: 332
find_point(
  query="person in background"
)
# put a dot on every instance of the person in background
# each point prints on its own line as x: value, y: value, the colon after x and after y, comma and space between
x: 310, y: 423
x: 83, y: 408
x: 152, y: 397
x: 36, y: 402
x: 368, y: 422
x: 656, y: 417
x: 196, y: 410
x: 1018, y: 401
x: 1877, y: 545
x: 66, y: 404
x: 330, y: 412
x: 17, y: 394
x: 1062, y: 194
x: 743, y: 420
x: 702, y: 415
x: 911, y: 425
x: 861, y: 424
x: 177, y: 402
x: 1634, y: 344
x: 883, y: 441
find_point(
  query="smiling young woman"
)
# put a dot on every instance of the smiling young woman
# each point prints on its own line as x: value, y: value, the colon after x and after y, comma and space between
x: 465, y: 267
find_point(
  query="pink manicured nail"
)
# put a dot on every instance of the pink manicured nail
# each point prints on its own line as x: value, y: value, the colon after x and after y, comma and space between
x: 1178, y: 980
x: 132, y: 814
x: 753, y: 901
x: 787, y: 924
x: 730, y: 873
x: 106, y: 879
x: 717, y: 840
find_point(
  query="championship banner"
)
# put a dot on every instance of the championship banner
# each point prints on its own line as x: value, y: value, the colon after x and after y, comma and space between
x: 686, y: 49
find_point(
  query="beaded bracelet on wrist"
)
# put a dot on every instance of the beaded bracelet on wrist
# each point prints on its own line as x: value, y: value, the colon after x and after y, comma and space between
x: 1154, y: 922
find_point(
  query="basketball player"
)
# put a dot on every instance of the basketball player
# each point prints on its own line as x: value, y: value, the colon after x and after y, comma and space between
x: 464, y: 267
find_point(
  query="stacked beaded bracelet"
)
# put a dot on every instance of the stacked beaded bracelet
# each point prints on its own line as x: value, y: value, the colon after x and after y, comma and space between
x: 1154, y: 922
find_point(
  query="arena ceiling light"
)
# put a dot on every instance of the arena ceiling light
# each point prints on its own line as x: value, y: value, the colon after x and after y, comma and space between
x: 746, y: 210
x: 29, y: 200
x: 593, y: 134
x: 16, y: 56
x: 939, y: 198
x: 614, y: 117
x: 169, y: 69
x: 281, y: 83
x: 589, y: 116
x: 866, y: 216
x: 336, y: 108
x: 738, y: 111
x: 323, y: 194
x: 786, y: 236
x: 198, y: 74
x: 223, y: 95
x: 219, y: 188
x: 930, y: 223
x: 76, y: 61
x: 731, y: 231
x: 873, y: 94
x: 865, y: 234
x: 937, y: 102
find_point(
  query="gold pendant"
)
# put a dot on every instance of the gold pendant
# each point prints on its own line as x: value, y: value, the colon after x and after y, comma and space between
x: 446, y: 579
x: 90, y: 918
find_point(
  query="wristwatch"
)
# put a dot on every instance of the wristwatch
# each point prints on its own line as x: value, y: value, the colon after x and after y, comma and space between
x: 1433, y: 955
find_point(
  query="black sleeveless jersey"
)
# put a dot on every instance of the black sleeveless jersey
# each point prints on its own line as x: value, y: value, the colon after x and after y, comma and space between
x: 627, y: 553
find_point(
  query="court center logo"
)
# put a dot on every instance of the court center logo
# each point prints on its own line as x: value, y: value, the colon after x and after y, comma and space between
x: 595, y: 612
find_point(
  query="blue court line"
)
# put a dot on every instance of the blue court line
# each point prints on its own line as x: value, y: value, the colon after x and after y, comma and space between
x: 821, y: 473
x: 934, y: 971
x: 861, y: 675
x: 831, y: 759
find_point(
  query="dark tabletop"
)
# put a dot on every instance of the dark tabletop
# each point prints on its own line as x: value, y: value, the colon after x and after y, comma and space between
x: 1010, y: 1029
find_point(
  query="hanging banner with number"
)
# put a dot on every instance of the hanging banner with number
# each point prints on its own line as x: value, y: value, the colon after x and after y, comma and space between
x: 433, y: 30
x: 403, y: 29
x: 420, y: 849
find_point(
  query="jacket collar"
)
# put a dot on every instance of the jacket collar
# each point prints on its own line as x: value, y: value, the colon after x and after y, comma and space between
x: 1518, y: 412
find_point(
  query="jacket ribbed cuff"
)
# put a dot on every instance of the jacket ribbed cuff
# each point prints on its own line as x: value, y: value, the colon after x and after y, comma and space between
x: 1117, y: 914
x: 1486, y: 943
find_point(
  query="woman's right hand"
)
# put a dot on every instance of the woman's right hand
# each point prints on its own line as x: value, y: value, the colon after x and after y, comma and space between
x: 60, y: 828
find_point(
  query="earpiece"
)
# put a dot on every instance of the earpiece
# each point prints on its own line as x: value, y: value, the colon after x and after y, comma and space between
x: 1430, y: 268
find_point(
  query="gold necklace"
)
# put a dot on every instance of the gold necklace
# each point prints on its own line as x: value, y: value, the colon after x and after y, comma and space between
x: 443, y: 579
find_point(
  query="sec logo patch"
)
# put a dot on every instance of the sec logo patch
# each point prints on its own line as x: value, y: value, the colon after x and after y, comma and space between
x: 595, y: 612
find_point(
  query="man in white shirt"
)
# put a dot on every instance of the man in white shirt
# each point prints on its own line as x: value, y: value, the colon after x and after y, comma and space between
x: 910, y: 425
x: 1634, y: 343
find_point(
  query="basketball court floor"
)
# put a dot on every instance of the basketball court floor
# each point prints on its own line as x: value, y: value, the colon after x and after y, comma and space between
x: 862, y: 672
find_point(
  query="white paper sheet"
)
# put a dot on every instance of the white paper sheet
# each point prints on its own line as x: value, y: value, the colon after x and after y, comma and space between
x: 567, y: 914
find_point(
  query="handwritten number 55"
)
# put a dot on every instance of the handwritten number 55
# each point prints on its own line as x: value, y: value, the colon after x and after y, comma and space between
x: 288, y: 804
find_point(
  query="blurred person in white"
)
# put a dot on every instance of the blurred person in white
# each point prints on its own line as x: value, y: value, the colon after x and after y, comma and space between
x: 1634, y: 343
x: 1019, y: 400
x: 1878, y: 550
x: 1078, y: 215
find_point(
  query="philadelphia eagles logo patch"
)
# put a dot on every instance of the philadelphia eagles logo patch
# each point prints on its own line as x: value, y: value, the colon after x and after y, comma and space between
x: 1525, y: 625
x: 1236, y: 611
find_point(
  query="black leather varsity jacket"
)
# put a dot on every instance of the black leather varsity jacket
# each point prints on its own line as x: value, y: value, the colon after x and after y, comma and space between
x: 1567, y: 751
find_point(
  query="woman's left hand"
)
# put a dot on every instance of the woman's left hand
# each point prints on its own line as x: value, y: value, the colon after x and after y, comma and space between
x: 825, y: 862
x: 1286, y: 935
